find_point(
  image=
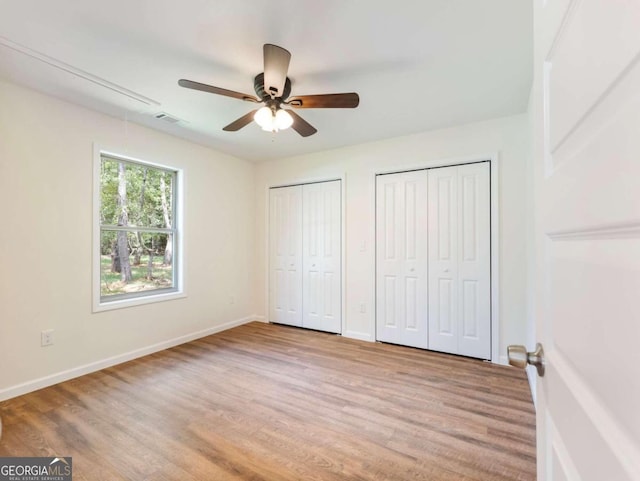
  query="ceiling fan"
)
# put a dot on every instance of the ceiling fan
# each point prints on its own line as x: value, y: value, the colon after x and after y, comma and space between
x: 273, y: 88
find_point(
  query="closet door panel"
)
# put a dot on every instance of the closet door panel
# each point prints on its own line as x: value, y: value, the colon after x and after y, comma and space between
x: 285, y: 255
x: 401, y: 255
x: 460, y: 260
x: 321, y: 240
x: 474, y: 322
x: 443, y: 259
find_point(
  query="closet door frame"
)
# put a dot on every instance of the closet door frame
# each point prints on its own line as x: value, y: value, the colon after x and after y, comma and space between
x: 494, y: 199
x: 293, y: 182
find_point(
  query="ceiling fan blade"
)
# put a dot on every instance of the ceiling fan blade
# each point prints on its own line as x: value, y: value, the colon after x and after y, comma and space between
x: 301, y: 126
x: 190, y: 84
x: 325, y: 101
x: 241, y: 122
x: 276, y: 66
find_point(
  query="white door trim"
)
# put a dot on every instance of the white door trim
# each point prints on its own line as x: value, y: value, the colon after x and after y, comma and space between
x: 493, y: 159
x: 303, y: 181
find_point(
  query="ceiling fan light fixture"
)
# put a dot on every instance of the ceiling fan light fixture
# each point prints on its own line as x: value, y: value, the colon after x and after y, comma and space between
x: 264, y: 118
x: 273, y: 122
x: 283, y: 119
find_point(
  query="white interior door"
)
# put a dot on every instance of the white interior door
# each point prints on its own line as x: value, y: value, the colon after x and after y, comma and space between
x: 321, y: 240
x: 459, y: 261
x: 285, y: 256
x: 401, y: 258
x: 587, y: 205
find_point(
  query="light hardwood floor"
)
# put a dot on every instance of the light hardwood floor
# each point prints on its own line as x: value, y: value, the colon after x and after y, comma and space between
x: 267, y: 402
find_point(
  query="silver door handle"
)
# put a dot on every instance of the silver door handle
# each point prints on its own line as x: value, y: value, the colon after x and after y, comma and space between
x: 519, y: 357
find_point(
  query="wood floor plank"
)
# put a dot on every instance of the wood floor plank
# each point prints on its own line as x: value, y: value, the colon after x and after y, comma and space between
x: 272, y: 403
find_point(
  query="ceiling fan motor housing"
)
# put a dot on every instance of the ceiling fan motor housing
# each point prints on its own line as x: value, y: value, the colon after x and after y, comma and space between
x: 258, y: 85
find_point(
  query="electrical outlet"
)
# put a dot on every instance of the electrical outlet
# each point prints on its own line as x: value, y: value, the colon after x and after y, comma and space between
x: 363, y: 308
x: 232, y: 300
x: 46, y: 337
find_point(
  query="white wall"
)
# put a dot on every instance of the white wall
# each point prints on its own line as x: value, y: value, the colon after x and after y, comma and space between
x: 46, y: 155
x: 358, y: 164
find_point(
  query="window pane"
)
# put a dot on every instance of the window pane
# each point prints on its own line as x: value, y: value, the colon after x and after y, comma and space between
x: 135, y: 195
x: 134, y: 262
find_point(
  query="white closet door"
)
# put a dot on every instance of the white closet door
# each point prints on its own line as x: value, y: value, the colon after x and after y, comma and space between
x: 401, y: 258
x: 285, y: 257
x: 460, y: 260
x: 321, y: 266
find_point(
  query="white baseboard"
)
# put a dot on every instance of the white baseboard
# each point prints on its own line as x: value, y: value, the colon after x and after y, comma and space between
x: 531, y: 376
x: 260, y: 319
x: 72, y: 373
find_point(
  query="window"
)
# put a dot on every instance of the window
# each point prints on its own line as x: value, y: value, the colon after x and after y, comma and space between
x: 136, y: 232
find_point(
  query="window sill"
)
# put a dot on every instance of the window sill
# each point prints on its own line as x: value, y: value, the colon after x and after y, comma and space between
x: 100, y: 306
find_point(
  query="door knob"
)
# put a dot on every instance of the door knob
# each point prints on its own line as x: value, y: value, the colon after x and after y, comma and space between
x: 519, y: 357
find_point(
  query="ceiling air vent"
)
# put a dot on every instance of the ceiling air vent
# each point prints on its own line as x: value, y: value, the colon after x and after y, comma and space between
x: 167, y: 118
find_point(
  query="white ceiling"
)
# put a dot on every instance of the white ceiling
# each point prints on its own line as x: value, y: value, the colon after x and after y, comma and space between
x: 417, y: 64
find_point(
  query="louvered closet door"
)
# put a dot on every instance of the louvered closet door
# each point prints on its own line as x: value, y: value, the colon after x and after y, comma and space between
x: 285, y: 256
x: 460, y: 260
x: 401, y: 258
x: 321, y: 240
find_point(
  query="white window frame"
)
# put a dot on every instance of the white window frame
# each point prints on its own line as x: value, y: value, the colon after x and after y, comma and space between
x: 148, y: 297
